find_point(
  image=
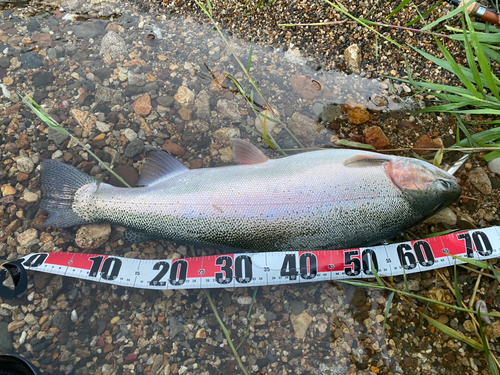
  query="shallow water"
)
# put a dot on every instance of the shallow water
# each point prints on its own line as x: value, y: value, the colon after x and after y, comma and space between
x: 114, y: 54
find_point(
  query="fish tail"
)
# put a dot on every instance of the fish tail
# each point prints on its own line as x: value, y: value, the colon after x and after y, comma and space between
x: 60, y: 182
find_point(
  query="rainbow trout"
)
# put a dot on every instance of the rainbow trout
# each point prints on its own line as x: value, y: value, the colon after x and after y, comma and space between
x: 328, y: 199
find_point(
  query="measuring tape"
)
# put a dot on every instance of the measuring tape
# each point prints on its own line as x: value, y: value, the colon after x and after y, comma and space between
x: 255, y: 269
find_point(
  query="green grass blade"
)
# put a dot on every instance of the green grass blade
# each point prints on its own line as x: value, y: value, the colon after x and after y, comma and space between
x: 454, y: 334
x: 481, y: 58
x: 399, y: 7
x: 343, y: 142
x: 250, y: 58
x: 458, y: 296
x: 471, y: 60
x: 491, y: 156
x: 446, y: 16
x: 474, y: 262
x: 428, y: 11
x: 388, y: 305
x: 457, y: 69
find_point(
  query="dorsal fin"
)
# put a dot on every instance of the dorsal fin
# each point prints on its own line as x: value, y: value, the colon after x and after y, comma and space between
x: 364, y: 160
x: 159, y: 166
x: 246, y: 153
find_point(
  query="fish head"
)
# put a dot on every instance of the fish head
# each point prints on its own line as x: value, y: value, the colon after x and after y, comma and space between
x: 428, y: 188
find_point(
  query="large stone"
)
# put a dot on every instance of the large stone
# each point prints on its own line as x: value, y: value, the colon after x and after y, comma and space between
x: 376, y: 137
x: 5, y: 338
x: 494, y: 166
x: 304, y: 128
x: 174, y: 148
x: 445, y: 216
x: 80, y: 117
x: 228, y: 110
x: 28, y: 238
x: 142, y: 106
x: 25, y: 165
x: 352, y: 56
x: 357, y: 113
x: 107, y: 95
x: 184, y: 95
x: 427, y: 142
x: 480, y: 180
x: 307, y: 87
x: 300, y: 324
x: 202, y: 104
x: 224, y: 135
x: 113, y: 45
x: 92, y: 236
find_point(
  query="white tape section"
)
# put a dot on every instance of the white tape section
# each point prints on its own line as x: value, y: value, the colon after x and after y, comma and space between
x: 253, y: 269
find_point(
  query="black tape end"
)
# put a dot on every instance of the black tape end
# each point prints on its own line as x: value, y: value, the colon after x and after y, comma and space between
x: 18, y: 273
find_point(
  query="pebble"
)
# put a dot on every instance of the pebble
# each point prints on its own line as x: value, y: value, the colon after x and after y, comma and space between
x: 5, y: 338
x: 113, y: 45
x: 174, y: 148
x: 229, y: 110
x: 297, y: 307
x: 184, y: 95
x: 30, y: 197
x: 426, y: 142
x: 202, y: 103
x: 304, y: 127
x: 15, y: 325
x: 25, y: 165
x: 352, y: 56
x: 28, y: 238
x: 224, y: 135
x: 494, y: 166
x: 92, y: 236
x: 480, y: 180
x: 357, y: 112
x: 103, y: 127
x: 8, y: 190
x: 445, y: 216
x: 305, y: 86
x: 142, y: 106
x: 300, y: 324
x: 134, y: 148
x: 244, y: 300
x: 130, y: 134
x: 89, y: 124
x: 376, y: 137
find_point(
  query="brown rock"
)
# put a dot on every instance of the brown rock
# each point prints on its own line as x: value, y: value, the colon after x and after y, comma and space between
x: 352, y: 56
x: 173, y: 148
x: 357, y: 113
x: 23, y: 141
x: 426, y: 142
x: 92, y: 236
x: 142, y: 106
x: 42, y: 39
x: 108, y: 348
x: 300, y: 324
x: 79, y: 116
x: 12, y: 109
x: 307, y: 87
x: 185, y: 113
x: 195, y: 163
x: 8, y: 190
x: 20, y: 176
x: 216, y: 84
x: 15, y: 325
x: 375, y: 136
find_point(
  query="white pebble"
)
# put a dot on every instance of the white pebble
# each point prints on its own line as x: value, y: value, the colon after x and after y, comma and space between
x: 22, y: 338
x: 494, y: 166
x: 57, y: 154
x: 74, y: 316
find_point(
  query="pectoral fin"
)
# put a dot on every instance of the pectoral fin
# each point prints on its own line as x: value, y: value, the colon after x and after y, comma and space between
x: 364, y: 160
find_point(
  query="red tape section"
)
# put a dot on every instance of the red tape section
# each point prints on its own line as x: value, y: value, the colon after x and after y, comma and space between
x: 242, y: 270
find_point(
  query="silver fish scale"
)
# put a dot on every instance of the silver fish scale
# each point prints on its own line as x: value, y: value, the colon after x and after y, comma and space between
x: 306, y: 201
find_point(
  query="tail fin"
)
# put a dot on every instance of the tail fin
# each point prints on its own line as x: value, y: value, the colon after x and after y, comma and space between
x: 60, y: 182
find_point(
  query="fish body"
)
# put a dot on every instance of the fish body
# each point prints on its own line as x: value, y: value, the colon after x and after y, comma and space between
x: 331, y: 199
